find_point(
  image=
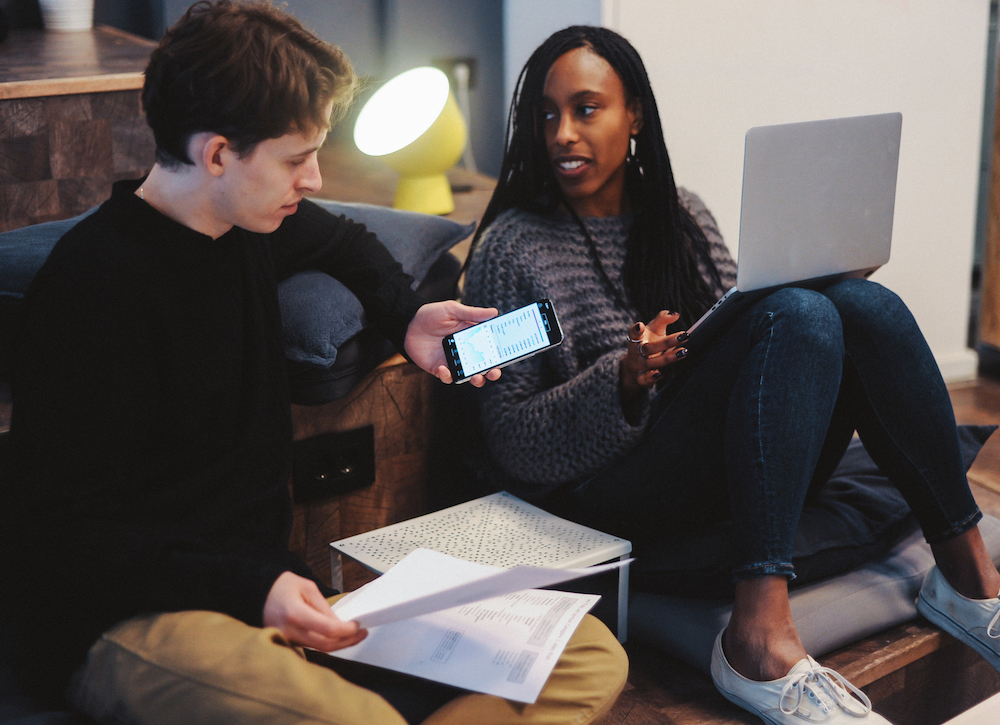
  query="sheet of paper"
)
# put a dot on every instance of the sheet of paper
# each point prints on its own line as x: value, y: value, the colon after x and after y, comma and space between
x: 505, y: 646
x: 477, y: 627
x: 426, y: 581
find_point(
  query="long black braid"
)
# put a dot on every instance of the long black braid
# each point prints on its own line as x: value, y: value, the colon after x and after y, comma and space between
x: 665, y: 244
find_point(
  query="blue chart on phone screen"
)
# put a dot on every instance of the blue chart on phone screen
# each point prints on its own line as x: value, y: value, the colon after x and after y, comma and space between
x: 501, y: 339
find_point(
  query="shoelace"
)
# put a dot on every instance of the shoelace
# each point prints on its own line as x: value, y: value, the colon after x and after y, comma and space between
x: 992, y: 628
x: 824, y: 680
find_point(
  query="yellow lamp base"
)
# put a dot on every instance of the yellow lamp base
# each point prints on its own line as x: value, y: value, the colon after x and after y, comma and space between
x: 427, y: 194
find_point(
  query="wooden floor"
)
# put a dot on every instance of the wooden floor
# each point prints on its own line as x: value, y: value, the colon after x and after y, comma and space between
x: 664, y: 691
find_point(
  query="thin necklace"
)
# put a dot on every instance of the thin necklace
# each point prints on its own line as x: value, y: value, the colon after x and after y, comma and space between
x: 595, y: 259
x: 141, y: 195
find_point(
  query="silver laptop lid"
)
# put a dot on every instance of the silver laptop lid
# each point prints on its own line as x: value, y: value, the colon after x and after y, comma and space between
x: 818, y: 199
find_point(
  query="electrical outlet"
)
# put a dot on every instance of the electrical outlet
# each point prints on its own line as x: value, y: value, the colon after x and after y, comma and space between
x: 333, y: 463
x: 448, y: 66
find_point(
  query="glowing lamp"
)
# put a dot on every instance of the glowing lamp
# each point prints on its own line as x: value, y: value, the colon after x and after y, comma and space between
x: 414, y: 125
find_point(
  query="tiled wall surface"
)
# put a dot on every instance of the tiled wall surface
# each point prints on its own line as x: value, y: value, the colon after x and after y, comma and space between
x: 59, y: 155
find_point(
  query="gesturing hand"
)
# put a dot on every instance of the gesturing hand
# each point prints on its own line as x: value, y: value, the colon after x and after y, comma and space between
x: 648, y: 349
x: 299, y: 611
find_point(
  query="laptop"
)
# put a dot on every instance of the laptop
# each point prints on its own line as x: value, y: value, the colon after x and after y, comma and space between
x: 818, y: 201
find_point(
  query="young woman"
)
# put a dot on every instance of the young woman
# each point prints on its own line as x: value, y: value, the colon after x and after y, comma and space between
x: 623, y: 430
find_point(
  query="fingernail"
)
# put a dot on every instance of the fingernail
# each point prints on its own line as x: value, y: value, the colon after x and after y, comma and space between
x: 657, y: 375
x: 681, y: 353
x: 636, y: 328
x: 683, y: 336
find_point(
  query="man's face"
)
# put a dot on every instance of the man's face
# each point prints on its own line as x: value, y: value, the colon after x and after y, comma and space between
x: 267, y: 185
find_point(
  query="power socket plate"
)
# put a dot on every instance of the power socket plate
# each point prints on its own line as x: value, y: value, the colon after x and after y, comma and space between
x: 331, y: 464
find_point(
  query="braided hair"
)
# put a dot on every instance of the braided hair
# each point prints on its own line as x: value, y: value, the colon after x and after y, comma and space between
x: 665, y: 244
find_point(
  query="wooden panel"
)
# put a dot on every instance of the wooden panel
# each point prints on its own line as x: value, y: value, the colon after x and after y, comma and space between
x: 66, y: 86
x: 70, y: 121
x: 989, y: 331
x: 59, y: 156
x: 395, y: 398
x: 978, y: 403
x: 35, y: 63
x: 935, y: 687
x: 883, y: 654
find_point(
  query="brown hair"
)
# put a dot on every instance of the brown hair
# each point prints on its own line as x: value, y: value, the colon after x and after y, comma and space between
x: 246, y: 71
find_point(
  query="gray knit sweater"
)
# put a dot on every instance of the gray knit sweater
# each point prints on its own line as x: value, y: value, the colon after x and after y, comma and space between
x: 557, y: 417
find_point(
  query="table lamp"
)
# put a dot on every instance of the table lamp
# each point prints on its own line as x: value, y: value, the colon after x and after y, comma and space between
x: 413, y: 123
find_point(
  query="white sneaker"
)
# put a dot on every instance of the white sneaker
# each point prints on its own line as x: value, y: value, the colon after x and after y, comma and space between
x: 809, y: 693
x: 976, y: 622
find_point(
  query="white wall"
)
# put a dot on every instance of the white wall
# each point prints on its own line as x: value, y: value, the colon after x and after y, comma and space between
x: 719, y: 67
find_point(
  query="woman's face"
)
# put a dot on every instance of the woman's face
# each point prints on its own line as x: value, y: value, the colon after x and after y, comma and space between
x: 588, y: 124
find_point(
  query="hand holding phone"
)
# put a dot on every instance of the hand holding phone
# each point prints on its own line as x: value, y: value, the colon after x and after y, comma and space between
x: 505, y: 339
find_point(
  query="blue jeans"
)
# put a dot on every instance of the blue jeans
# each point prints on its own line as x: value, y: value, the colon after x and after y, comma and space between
x: 748, y: 424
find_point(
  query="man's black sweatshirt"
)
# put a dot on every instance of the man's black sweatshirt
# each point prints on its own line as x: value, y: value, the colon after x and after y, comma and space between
x: 151, y: 429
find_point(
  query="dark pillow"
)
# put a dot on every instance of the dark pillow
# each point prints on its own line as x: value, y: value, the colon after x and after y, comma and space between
x: 24, y: 250
x: 22, y: 253
x: 320, y: 314
x: 852, y: 520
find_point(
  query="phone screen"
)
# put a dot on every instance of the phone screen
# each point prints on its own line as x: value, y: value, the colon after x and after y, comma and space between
x: 503, y: 339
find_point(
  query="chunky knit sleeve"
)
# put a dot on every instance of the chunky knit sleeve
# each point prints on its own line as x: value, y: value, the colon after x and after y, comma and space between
x: 721, y: 257
x: 557, y: 416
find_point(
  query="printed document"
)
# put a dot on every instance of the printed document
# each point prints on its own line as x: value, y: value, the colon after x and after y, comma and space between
x: 469, y: 625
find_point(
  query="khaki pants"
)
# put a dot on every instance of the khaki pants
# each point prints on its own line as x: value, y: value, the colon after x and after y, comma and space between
x: 192, y: 668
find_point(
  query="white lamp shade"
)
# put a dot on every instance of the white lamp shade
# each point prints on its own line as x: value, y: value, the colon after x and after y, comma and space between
x: 401, y: 111
x: 413, y: 123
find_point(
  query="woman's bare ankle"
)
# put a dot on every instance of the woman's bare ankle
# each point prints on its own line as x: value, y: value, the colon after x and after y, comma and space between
x: 762, y: 658
x: 761, y: 642
x: 965, y: 563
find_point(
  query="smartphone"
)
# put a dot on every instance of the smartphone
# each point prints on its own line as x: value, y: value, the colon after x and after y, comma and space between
x: 505, y: 339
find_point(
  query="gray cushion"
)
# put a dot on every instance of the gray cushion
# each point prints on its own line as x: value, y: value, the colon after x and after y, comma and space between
x: 24, y: 250
x: 829, y: 613
x: 319, y: 314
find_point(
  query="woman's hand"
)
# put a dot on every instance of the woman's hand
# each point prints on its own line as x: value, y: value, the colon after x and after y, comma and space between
x: 649, y: 348
x: 296, y: 607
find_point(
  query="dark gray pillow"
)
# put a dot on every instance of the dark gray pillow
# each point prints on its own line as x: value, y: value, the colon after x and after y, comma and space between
x: 319, y: 314
x: 23, y: 252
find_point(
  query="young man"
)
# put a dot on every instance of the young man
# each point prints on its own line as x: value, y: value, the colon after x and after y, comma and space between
x: 147, y: 509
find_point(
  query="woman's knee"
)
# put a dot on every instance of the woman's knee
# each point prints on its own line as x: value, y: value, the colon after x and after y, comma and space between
x: 805, y: 317
x: 864, y: 301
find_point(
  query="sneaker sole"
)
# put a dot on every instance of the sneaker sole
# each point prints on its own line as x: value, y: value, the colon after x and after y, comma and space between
x: 739, y: 702
x: 942, y: 620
